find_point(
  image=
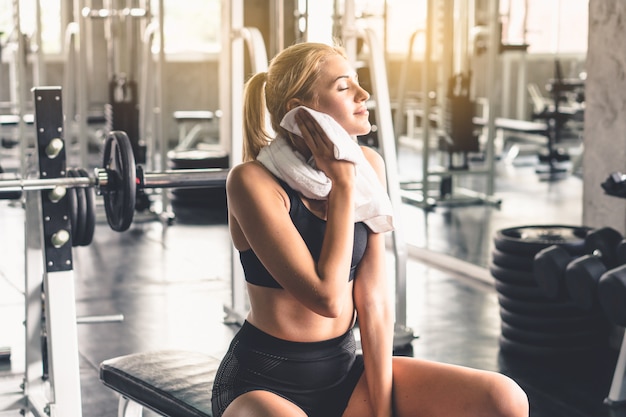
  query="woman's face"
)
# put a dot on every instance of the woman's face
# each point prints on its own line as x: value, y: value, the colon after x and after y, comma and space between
x: 340, y: 95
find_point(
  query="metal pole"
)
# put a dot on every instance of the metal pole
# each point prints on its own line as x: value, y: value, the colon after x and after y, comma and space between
x: 19, y: 69
x: 492, y: 61
x: 231, y: 76
x: 426, y: 99
x: 186, y: 178
x: 81, y: 83
x: 39, y: 64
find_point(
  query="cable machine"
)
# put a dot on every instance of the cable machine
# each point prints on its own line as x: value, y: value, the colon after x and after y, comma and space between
x: 449, y: 40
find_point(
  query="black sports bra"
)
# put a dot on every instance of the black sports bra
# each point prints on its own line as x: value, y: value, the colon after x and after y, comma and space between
x: 312, y: 230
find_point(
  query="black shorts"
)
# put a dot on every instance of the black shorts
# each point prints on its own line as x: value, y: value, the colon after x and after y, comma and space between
x: 319, y: 377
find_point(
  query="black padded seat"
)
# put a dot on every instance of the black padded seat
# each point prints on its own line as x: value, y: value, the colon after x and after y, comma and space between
x: 172, y: 383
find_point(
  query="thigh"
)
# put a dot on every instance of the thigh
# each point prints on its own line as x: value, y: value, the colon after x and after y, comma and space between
x: 262, y: 404
x: 426, y: 388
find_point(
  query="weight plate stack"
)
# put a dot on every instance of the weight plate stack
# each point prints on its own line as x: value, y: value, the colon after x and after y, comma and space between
x: 184, y: 200
x: 534, y: 323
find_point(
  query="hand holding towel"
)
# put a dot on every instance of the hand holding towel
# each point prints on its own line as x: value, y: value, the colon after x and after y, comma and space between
x: 372, y: 204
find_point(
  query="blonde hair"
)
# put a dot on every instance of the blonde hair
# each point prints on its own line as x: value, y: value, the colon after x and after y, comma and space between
x: 291, y: 74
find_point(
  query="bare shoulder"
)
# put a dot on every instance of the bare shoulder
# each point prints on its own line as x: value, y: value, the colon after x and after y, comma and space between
x: 251, y: 180
x: 246, y: 173
x: 249, y: 176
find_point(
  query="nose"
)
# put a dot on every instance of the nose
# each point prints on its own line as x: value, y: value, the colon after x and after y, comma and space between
x: 362, y: 94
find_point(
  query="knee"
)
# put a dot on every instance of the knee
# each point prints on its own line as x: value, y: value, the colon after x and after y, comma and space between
x: 508, y: 397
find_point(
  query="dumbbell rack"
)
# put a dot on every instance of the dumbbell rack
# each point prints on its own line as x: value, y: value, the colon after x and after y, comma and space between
x: 617, y: 391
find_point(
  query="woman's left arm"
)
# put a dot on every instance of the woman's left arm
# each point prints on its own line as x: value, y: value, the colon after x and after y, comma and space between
x: 373, y: 305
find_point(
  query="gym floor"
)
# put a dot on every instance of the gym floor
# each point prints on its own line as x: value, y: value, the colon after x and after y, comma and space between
x: 171, y: 283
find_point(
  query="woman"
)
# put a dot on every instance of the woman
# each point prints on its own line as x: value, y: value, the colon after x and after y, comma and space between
x: 311, y: 268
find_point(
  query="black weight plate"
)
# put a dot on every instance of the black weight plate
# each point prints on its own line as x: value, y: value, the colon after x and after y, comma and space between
x: 563, y: 339
x: 511, y: 261
x: 120, y: 193
x: 81, y: 206
x: 539, y: 308
x: 90, y: 215
x: 528, y: 240
x: 81, y: 220
x: 520, y: 292
x: 534, y: 351
x: 578, y: 321
x: 512, y: 276
x: 72, y: 203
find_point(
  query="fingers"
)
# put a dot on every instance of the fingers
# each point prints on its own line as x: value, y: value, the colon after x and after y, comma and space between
x: 312, y: 133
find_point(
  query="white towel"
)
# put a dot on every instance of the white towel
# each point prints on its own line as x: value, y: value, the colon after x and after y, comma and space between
x: 372, y: 204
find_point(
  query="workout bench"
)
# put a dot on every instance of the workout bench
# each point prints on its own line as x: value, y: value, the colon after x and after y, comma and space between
x: 525, y: 127
x: 172, y: 383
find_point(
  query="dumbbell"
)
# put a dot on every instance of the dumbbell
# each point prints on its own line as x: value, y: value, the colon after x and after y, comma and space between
x: 612, y: 294
x: 556, y: 271
x: 583, y: 274
x: 549, y: 270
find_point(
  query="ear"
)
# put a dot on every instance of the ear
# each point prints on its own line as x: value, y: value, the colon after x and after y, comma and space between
x: 293, y: 103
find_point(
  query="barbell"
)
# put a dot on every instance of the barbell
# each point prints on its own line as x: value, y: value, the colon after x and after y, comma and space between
x: 117, y: 181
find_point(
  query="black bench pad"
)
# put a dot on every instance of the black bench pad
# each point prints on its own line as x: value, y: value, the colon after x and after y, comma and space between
x: 173, y: 383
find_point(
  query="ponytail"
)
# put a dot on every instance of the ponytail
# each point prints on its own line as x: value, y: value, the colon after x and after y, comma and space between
x: 255, y: 134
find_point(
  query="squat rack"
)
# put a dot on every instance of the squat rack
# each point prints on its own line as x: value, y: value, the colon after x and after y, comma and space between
x: 51, y: 384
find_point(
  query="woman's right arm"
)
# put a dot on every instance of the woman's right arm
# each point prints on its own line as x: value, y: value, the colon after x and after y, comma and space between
x: 260, y: 208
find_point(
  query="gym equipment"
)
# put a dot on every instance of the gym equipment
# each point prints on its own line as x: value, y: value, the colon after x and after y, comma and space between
x: 455, y: 124
x: 549, y: 269
x: 528, y: 240
x: 59, y: 209
x: 571, y: 322
x: 581, y: 280
x: 511, y: 261
x: 511, y: 275
x: 118, y: 181
x: 203, y: 198
x: 171, y: 383
x: 540, y: 320
x: 556, y: 119
x: 583, y: 274
x: 612, y: 294
x: 82, y: 201
x: 603, y: 243
x: 615, y: 185
x: 557, y: 271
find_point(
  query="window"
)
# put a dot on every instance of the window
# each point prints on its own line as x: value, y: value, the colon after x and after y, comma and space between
x: 553, y: 26
x: 50, y: 22
x: 191, y: 26
x: 557, y: 26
